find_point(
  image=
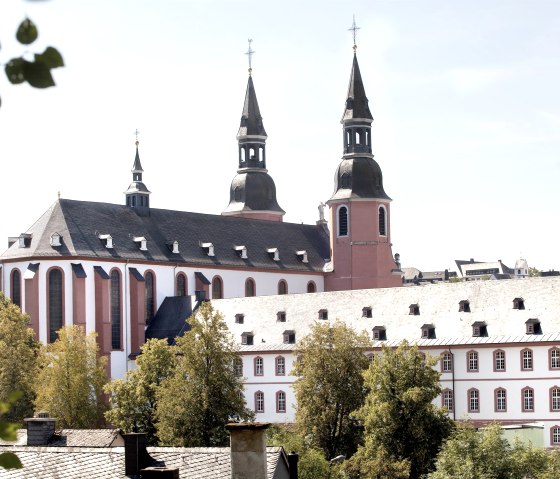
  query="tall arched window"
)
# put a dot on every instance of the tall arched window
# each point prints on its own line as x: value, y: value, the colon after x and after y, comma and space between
x: 150, y: 295
x: 259, y: 401
x: 250, y: 289
x: 343, y: 221
x: 311, y: 288
x: 15, y: 287
x: 116, y: 311
x: 282, y: 287
x: 280, y: 401
x: 56, y: 303
x: 181, y: 285
x: 217, y: 288
x: 382, y: 221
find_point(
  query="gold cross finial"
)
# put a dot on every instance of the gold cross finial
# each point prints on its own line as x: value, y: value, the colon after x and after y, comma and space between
x: 354, y: 29
x: 137, y: 133
x: 250, y: 52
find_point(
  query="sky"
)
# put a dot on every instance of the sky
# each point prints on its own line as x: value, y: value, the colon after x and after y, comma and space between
x: 465, y: 99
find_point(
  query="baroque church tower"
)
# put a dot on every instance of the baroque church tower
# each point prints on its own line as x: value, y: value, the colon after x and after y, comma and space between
x: 252, y: 192
x: 137, y: 195
x: 359, y: 207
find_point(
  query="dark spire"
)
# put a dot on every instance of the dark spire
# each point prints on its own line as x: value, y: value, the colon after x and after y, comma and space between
x: 356, y: 100
x: 137, y: 195
x: 251, y: 119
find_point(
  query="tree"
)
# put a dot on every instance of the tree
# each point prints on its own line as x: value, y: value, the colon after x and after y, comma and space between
x: 203, y: 394
x: 134, y: 400
x: 16, y: 341
x: 534, y: 272
x: 70, y: 382
x: 330, y: 386
x: 8, y: 432
x: 401, y: 422
x: 36, y: 71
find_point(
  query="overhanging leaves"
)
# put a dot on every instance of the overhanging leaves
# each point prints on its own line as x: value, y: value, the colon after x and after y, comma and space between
x: 14, y: 71
x: 8, y: 460
x: 27, y: 32
x: 37, y: 74
x: 50, y: 57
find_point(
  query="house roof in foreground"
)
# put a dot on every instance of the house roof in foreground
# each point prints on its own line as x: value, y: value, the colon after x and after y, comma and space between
x: 108, y: 463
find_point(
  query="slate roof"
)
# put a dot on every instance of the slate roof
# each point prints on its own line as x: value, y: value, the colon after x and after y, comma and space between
x: 81, y: 222
x: 75, y: 438
x: 251, y: 119
x: 357, y: 102
x: 108, y: 463
x: 170, y: 319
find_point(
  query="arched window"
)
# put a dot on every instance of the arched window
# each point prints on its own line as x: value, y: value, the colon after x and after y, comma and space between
x: 261, y: 153
x: 554, y: 358
x: 280, y: 366
x: 116, y: 312
x: 472, y: 361
x: 555, y: 435
x: 526, y: 360
x: 473, y: 400
x: 348, y: 138
x: 217, y: 288
x: 555, y: 399
x: 259, y: 366
x: 499, y: 360
x: 358, y: 137
x: 500, y: 400
x: 259, y: 401
x: 382, y: 221
x: 528, y: 397
x: 343, y: 221
x: 446, y: 362
x: 447, y: 399
x: 242, y: 153
x: 181, y: 285
x: 15, y: 287
x: 56, y: 303
x: 280, y: 401
x: 250, y: 289
x: 311, y: 287
x: 150, y: 295
x: 282, y: 287
x: 238, y: 366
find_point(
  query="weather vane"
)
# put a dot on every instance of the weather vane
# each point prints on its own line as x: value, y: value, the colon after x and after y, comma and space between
x: 250, y: 52
x: 354, y: 29
x: 137, y: 133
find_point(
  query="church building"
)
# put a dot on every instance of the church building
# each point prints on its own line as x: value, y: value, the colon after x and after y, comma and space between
x: 131, y: 271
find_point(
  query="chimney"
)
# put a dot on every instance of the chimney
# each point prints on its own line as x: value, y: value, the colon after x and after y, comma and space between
x: 136, y: 456
x: 293, y: 459
x: 40, y: 429
x: 248, y: 450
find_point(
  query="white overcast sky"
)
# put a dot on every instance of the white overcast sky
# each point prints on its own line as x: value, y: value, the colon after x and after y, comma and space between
x: 465, y: 96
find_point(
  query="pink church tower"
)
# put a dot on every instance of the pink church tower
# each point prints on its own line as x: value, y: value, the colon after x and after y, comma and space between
x: 360, y: 214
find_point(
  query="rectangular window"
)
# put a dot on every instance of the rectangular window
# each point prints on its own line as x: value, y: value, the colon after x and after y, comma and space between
x: 528, y: 400
x: 323, y: 314
x: 247, y: 339
x: 499, y: 361
x: 472, y: 361
x: 259, y: 402
x: 555, y: 433
x: 473, y: 400
x: 259, y: 366
x: 555, y: 358
x: 446, y: 362
x: 367, y: 312
x: 555, y: 399
x: 281, y: 316
x: 280, y: 366
x: 527, y: 360
x: 500, y: 398
x: 448, y: 400
x: 281, y: 401
x: 239, y: 318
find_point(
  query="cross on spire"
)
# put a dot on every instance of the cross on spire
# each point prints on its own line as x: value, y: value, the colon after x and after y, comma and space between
x: 137, y: 133
x: 250, y: 52
x: 354, y: 29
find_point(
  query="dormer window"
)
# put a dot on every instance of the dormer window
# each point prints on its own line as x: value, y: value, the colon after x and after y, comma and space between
x: 56, y: 240
x: 24, y: 240
x: 302, y: 256
x: 281, y: 316
x: 208, y: 248
x: 414, y: 310
x: 247, y: 338
x: 464, y: 306
x: 428, y: 331
x: 289, y: 336
x: 479, y: 329
x: 367, y: 312
x: 107, y: 239
x: 239, y: 318
x: 533, y: 326
x: 518, y: 303
x: 141, y: 242
x: 379, y: 333
x: 323, y: 314
x: 173, y: 247
x: 241, y: 251
x: 273, y: 253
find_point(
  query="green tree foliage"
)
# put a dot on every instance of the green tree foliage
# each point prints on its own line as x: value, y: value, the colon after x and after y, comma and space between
x: 34, y: 69
x: 8, y: 460
x: 203, y: 394
x: 403, y: 429
x: 70, y: 382
x: 134, y: 401
x: 469, y: 454
x: 330, y: 386
x: 534, y: 272
x: 18, y: 361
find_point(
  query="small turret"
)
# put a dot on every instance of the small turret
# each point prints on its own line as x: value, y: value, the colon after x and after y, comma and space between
x: 137, y: 195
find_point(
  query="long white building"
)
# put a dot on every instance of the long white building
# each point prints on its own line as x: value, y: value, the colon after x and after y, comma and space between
x: 499, y: 343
